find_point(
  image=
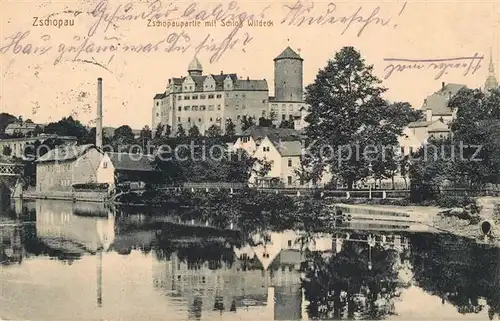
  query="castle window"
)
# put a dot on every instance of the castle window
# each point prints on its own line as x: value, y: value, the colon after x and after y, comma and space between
x: 186, y: 107
x: 179, y: 108
x: 238, y: 117
x: 105, y: 165
x: 195, y: 96
x: 202, y: 96
x: 157, y: 103
x: 203, y: 107
x: 210, y: 119
x: 210, y: 107
x: 289, y: 162
x: 290, y: 117
x: 178, y: 119
x: 187, y: 97
x: 218, y: 107
x: 219, y: 96
x: 199, y: 120
x: 210, y: 96
x: 179, y: 97
x: 157, y: 114
x: 283, y: 117
x: 189, y: 119
x: 195, y: 108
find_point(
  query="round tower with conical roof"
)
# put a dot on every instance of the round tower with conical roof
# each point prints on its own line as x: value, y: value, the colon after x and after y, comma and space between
x: 195, y: 68
x: 288, y: 76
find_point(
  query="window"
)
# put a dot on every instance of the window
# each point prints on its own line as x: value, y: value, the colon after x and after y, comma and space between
x: 265, y: 148
x: 283, y: 108
x: 290, y: 117
x: 179, y: 119
x: 105, y: 165
x: 195, y: 96
x: 210, y: 107
x: 186, y: 107
x: 289, y: 180
x: 179, y: 108
x: 195, y: 108
x: 187, y: 97
x: 218, y: 107
x: 289, y: 243
x: 157, y: 114
x: 219, y: 96
x: 283, y: 117
x: 202, y: 96
x: 210, y: 96
x: 189, y: 119
x: 411, y: 150
x: 210, y: 119
x: 238, y: 117
x: 289, y: 162
x: 203, y: 107
x: 402, y: 149
x: 179, y: 97
x: 157, y: 103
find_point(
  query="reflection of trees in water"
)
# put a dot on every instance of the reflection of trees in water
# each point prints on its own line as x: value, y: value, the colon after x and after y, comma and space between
x: 195, y: 253
x: 459, y: 271
x: 342, y: 286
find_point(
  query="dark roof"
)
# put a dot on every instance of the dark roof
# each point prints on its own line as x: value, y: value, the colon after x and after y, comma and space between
x: 65, y: 153
x: 198, y: 82
x: 178, y: 81
x: 285, y: 134
x: 132, y: 162
x: 160, y: 96
x: 288, y: 53
x: 250, y: 84
x: 417, y: 124
x: 286, y: 147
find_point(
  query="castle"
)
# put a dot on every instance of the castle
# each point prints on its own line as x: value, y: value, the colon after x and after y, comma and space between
x: 205, y: 100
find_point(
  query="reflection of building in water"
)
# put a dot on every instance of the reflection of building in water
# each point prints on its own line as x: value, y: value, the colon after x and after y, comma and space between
x: 231, y: 286
x: 284, y: 250
x: 11, y: 247
x: 58, y: 226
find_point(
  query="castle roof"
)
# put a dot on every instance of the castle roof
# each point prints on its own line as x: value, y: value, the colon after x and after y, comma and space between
x: 288, y: 53
x: 438, y: 102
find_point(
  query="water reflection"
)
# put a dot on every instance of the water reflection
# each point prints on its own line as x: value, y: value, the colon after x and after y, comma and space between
x: 89, y: 262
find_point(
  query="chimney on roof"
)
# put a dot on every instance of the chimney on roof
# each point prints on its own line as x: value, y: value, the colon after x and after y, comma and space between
x: 221, y: 72
x: 442, y: 85
x: 98, y: 127
x: 248, y: 78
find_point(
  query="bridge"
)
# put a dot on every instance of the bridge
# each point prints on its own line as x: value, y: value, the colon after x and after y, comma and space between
x: 11, y: 169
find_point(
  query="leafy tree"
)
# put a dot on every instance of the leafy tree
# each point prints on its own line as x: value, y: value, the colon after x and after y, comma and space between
x: 68, y: 126
x: 6, y: 119
x: 159, y: 130
x: 266, y: 122
x: 287, y: 123
x: 123, y: 138
x: 38, y: 130
x: 230, y: 127
x: 194, y: 131
x: 181, y: 132
x: 247, y: 122
x: 214, y: 131
x: 347, y: 114
x: 168, y: 130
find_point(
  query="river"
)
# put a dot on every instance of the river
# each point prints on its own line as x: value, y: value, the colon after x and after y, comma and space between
x: 84, y: 261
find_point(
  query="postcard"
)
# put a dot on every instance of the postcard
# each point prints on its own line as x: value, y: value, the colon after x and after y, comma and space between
x: 249, y: 160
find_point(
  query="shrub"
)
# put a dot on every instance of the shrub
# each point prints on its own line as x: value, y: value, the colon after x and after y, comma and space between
x: 91, y: 186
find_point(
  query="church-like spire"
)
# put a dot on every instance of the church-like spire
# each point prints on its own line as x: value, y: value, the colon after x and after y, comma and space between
x: 491, y: 81
x: 195, y: 67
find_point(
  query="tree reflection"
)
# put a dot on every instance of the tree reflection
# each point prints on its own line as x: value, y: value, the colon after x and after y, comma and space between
x: 343, y: 287
x: 459, y: 271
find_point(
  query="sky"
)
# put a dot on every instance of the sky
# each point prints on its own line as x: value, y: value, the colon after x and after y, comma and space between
x: 60, y: 78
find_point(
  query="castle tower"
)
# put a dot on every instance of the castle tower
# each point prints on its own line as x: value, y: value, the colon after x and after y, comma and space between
x: 195, y: 68
x: 288, y: 76
x: 491, y: 81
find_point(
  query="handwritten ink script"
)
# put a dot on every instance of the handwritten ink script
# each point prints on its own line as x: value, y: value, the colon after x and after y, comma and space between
x: 103, y: 39
x: 442, y: 66
x: 303, y: 14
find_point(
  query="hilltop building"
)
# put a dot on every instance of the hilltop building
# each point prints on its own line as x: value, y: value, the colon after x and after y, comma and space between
x: 20, y: 127
x: 211, y: 99
x: 18, y: 147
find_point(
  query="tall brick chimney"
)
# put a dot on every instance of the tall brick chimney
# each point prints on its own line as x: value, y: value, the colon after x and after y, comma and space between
x: 98, y: 126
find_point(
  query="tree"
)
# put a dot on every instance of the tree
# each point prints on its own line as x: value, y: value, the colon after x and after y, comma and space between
x: 247, y: 122
x: 347, y: 115
x: 266, y: 122
x: 68, y: 126
x: 123, y: 137
x: 168, y: 130
x: 194, y: 131
x: 230, y: 127
x: 214, y: 131
x: 159, y: 130
x: 181, y: 132
x: 287, y: 123
x: 6, y: 119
